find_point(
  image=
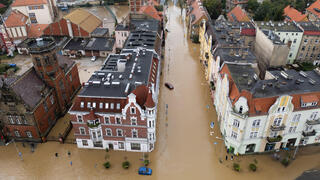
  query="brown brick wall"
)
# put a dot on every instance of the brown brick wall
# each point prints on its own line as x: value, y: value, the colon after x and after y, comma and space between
x: 22, y: 130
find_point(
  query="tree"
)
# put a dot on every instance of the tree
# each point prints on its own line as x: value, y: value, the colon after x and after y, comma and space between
x: 262, y: 11
x: 252, y: 5
x: 214, y: 8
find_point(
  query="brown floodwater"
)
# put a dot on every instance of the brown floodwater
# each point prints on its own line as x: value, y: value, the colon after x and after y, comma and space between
x: 184, y: 149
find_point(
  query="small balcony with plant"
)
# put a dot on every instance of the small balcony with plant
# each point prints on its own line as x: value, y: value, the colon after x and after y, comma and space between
x: 313, y: 122
x: 93, y: 123
x: 310, y: 133
x: 274, y: 139
x: 277, y: 128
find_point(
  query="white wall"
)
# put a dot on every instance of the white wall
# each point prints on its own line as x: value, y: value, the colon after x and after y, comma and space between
x: 43, y: 16
x: 121, y: 38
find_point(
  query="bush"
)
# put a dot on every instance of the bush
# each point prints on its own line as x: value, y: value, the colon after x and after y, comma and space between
x: 285, y: 162
x: 126, y: 164
x: 159, y: 8
x: 253, y: 167
x: 195, y: 38
x: 146, y: 162
x: 107, y: 165
x: 4, y: 68
x: 236, y: 167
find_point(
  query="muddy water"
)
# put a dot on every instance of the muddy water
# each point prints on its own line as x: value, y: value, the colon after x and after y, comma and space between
x: 184, y: 148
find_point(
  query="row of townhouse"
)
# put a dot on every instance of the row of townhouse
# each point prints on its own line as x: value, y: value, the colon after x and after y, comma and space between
x: 117, y: 108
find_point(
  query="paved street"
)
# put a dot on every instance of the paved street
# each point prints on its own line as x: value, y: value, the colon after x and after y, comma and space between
x: 184, y: 149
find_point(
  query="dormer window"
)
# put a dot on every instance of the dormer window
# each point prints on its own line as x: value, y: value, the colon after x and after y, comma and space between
x: 240, y: 109
x: 82, y: 105
x: 133, y: 110
x: 309, y: 101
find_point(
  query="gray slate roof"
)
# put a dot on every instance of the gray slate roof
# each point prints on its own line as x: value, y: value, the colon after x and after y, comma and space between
x: 100, y: 44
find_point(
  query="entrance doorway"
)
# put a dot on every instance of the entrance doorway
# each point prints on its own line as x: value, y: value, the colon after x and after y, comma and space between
x: 250, y: 148
x: 110, y: 146
x: 269, y: 146
x: 291, y: 142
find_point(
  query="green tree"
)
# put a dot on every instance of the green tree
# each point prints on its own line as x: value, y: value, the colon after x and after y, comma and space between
x: 262, y: 11
x: 252, y: 5
x: 214, y: 8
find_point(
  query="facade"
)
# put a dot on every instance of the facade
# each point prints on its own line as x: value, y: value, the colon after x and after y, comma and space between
x: 238, y: 14
x: 78, y: 23
x: 291, y: 14
x: 38, y: 11
x: 135, y: 5
x: 31, y: 104
x: 122, y: 32
x: 313, y: 11
x: 230, y: 4
x: 264, y: 115
x: 195, y: 15
x: 117, y: 107
x: 309, y: 50
x: 288, y: 32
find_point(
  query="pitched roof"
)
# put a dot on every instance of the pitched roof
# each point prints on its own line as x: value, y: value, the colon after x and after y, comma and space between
x: 36, y: 30
x: 153, y: 2
x: 150, y: 11
x: 294, y: 15
x: 28, y: 2
x: 86, y: 20
x: 141, y: 93
x: 29, y: 88
x: 315, y: 8
x: 16, y: 18
x: 197, y: 12
x: 238, y: 14
x: 149, y: 102
x: 309, y: 98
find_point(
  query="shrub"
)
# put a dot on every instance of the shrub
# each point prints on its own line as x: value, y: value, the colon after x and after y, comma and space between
x: 107, y: 165
x: 126, y: 164
x: 195, y: 38
x: 253, y: 167
x: 146, y: 162
x: 285, y: 162
x: 4, y: 68
x: 107, y: 149
x: 159, y: 8
x: 236, y: 167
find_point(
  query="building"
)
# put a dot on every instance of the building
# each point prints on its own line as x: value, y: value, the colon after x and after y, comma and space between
x: 195, y: 15
x: 309, y: 50
x: 256, y: 115
x: 238, y: 14
x: 122, y: 32
x: 32, y: 103
x: 291, y: 14
x: 230, y: 4
x: 313, y: 11
x: 100, y: 32
x: 135, y: 5
x: 38, y: 11
x: 78, y: 23
x: 151, y: 11
x: 117, y: 107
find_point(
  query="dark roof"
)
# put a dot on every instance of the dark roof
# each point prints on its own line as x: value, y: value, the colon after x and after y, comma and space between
x: 273, y: 37
x: 235, y: 55
x: 77, y: 44
x: 100, y: 44
x: 279, y: 26
x: 310, y: 175
x: 136, y: 72
x: 145, y: 25
x: 242, y: 75
x: 141, y: 39
x: 100, y: 32
x: 64, y: 62
x: 29, y: 88
x: 122, y: 27
x: 309, y: 26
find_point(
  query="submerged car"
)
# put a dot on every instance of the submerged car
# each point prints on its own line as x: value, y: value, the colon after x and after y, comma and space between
x: 169, y: 86
x: 94, y: 58
x: 145, y: 171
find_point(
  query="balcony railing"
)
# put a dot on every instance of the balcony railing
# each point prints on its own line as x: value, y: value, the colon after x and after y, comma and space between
x: 274, y: 139
x: 312, y: 133
x: 313, y: 122
x: 277, y: 128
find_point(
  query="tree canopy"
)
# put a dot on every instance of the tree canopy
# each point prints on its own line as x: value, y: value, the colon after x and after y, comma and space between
x: 214, y: 8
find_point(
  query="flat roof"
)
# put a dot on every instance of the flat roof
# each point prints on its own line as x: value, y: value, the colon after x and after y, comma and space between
x: 141, y: 39
x: 100, y: 44
x: 278, y: 26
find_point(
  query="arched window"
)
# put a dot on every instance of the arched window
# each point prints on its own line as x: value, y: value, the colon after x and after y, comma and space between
x: 240, y: 109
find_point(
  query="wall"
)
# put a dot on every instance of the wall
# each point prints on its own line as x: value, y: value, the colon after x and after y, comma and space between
x: 285, y: 37
x: 43, y: 16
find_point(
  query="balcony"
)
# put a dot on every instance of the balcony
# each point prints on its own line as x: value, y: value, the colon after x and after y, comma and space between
x: 313, y: 122
x: 274, y: 139
x: 312, y: 133
x: 277, y: 128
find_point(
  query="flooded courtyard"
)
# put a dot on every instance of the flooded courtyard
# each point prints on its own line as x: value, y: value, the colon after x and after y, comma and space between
x: 184, y: 149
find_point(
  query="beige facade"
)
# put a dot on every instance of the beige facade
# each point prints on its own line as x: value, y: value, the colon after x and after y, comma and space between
x: 309, y: 50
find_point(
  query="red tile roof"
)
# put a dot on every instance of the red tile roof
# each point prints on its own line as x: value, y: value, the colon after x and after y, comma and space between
x: 28, y: 2
x: 141, y: 93
x: 149, y: 102
x: 16, y: 18
x: 315, y: 8
x: 150, y: 11
x: 238, y: 14
x: 198, y: 12
x: 309, y: 98
x: 153, y: 3
x: 294, y: 15
x: 36, y: 30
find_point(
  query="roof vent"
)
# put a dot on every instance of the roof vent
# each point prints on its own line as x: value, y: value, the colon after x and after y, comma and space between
x: 139, y: 69
x: 255, y: 76
x: 311, y: 81
x: 263, y: 86
x: 284, y: 74
x: 115, y: 83
x: 245, y: 75
x: 299, y: 81
x: 303, y: 74
x: 317, y: 70
x: 106, y: 83
x: 96, y: 82
x: 127, y: 88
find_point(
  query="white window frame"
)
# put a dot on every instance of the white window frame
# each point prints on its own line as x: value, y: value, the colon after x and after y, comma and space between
x: 119, y: 130
x: 236, y: 123
x: 80, y: 120
x: 94, y: 105
x: 118, y: 105
x: 81, y: 104
x: 234, y: 135
x: 108, y: 129
x: 101, y: 105
x: 29, y: 134
x: 134, y: 131
x: 121, y: 146
x: 107, y: 120
x: 17, y: 119
x: 106, y: 106
x: 116, y: 118
x: 88, y: 104
x: 277, y: 121
x: 111, y: 105
x: 86, y: 142
x: 10, y: 119
x: 133, y: 110
x: 84, y: 130
x: 17, y: 133
x: 134, y: 121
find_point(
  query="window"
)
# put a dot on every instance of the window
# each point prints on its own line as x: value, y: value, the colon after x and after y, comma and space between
x: 292, y: 129
x: 277, y: 121
x: 295, y: 40
x: 273, y: 133
x: 240, y: 109
x: 82, y: 130
x: 107, y: 120
x: 134, y: 133
x: 303, y: 48
x: 135, y: 146
x: 256, y: 123
x: 82, y: 104
x: 134, y: 121
x: 52, y: 99
x: 24, y: 120
x: 17, y: 119
x: 109, y: 132
x: 296, y: 118
x: 107, y: 105
x: 121, y: 145
x: 70, y: 77
x: 99, y: 134
x: 118, y: 105
x: 17, y: 133
x: 111, y: 105
x: 84, y: 142
x: 308, y: 128
x: 89, y: 105
x: 61, y: 84
x: 306, y: 41
x: 236, y: 123
x: 119, y: 132
x: 253, y: 134
x: 101, y: 105
x: 45, y: 106
x: 33, y: 18
x: 10, y: 119
x: 80, y: 119
x: 290, y: 55
x: 29, y: 134
x: 316, y: 41
x: 94, y: 105
x: 313, y: 115
x: 133, y: 110
x: 234, y: 135
x: 149, y: 123
x: 118, y: 120
x: 46, y: 60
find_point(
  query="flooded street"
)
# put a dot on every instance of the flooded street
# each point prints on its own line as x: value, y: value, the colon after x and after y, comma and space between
x: 184, y: 149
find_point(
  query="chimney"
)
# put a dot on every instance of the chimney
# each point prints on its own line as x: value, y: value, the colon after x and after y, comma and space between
x: 121, y: 65
x: 39, y: 41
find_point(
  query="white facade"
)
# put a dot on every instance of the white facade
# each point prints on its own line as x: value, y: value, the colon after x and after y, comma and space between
x: 121, y: 37
x: 43, y: 14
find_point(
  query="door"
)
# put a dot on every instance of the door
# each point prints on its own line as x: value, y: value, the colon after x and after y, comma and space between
x: 111, y: 146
